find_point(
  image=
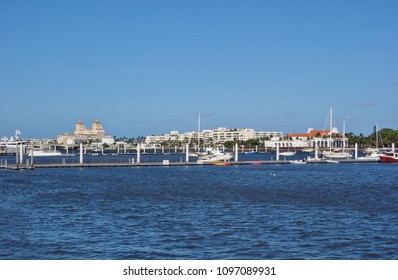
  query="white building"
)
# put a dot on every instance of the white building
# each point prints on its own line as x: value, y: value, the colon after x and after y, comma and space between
x: 213, y: 136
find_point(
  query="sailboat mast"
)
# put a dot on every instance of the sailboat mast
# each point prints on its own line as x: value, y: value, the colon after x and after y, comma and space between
x: 343, y: 135
x: 330, y: 133
x: 198, y: 131
x: 377, y: 137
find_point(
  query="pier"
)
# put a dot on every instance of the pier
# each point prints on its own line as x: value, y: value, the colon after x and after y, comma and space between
x: 166, y: 163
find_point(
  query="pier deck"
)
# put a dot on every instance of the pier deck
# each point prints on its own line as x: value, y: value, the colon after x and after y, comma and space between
x: 148, y: 164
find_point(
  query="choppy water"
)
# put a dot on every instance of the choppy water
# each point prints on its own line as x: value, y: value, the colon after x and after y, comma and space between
x: 343, y: 211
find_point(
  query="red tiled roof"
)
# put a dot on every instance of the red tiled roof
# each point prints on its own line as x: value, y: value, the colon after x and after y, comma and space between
x: 322, y: 132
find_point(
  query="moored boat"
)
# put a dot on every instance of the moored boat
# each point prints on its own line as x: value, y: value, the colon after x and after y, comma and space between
x: 297, y: 161
x: 336, y: 154
x: 214, y: 156
x: 389, y: 157
x: 287, y: 153
x: 42, y: 153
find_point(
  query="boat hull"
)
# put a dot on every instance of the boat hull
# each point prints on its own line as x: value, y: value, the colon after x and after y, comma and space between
x: 287, y: 154
x: 45, y: 153
x: 388, y: 159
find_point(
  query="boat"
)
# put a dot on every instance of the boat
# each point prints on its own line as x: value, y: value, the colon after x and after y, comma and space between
x: 42, y: 153
x: 336, y: 154
x: 309, y: 150
x: 250, y: 152
x: 389, y: 157
x: 9, y: 146
x: 313, y: 159
x: 332, y: 161
x: 371, y: 155
x: 339, y: 154
x: 297, y: 161
x: 214, y: 156
x: 287, y: 153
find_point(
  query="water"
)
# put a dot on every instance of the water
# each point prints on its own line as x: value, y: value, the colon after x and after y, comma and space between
x: 340, y: 211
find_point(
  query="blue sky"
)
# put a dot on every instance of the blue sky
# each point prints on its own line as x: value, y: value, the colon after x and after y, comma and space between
x: 149, y: 67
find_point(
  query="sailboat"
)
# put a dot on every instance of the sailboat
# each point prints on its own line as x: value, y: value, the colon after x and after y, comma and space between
x: 288, y: 153
x: 336, y: 154
x: 374, y: 153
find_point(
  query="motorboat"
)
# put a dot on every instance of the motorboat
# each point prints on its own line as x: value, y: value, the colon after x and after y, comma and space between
x: 371, y: 155
x: 297, y: 161
x: 43, y: 153
x: 336, y: 154
x: 287, y: 153
x: 214, y: 156
x: 389, y: 157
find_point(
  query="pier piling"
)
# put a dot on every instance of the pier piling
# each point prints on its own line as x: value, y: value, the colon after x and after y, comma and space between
x: 81, y: 153
x: 356, y: 151
x: 277, y: 153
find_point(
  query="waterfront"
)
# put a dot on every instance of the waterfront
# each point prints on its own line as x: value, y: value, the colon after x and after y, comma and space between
x: 158, y: 159
x: 232, y: 212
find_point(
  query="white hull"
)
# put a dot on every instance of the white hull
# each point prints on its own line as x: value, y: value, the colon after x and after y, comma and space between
x: 297, y: 162
x: 45, y: 153
x: 336, y: 155
x: 214, y: 156
x: 287, y: 154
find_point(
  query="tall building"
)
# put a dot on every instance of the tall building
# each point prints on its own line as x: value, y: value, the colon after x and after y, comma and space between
x: 95, y: 134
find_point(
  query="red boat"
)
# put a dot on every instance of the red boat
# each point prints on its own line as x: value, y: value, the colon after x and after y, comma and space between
x: 389, y: 157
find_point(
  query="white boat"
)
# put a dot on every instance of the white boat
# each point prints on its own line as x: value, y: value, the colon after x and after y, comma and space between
x: 313, y: 159
x: 297, y: 161
x: 309, y: 150
x: 371, y: 154
x: 42, y: 153
x: 335, y: 153
x: 287, y: 154
x: 332, y: 161
x: 214, y: 156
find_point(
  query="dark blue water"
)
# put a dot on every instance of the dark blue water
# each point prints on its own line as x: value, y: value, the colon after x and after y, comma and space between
x: 340, y: 211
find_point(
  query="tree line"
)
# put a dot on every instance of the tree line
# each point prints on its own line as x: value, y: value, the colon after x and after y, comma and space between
x: 384, y: 138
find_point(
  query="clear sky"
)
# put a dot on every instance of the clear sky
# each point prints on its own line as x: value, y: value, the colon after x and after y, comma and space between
x: 148, y: 67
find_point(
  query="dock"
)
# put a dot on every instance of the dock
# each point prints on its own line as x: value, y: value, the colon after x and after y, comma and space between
x: 167, y: 163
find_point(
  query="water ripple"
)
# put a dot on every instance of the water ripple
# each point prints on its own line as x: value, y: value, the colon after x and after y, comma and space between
x: 235, y: 212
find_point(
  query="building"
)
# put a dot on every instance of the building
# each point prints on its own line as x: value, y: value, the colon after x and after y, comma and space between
x: 212, y: 136
x: 95, y: 134
x: 322, y: 138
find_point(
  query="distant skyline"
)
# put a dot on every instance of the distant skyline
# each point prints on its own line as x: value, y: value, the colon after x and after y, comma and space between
x: 149, y: 67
